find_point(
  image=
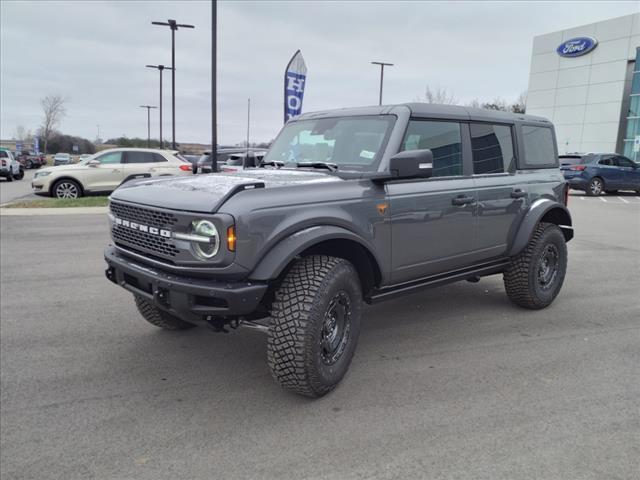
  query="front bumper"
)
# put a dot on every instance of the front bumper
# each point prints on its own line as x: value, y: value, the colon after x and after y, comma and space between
x: 191, y: 299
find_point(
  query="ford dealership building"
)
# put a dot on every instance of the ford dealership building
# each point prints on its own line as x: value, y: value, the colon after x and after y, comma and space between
x: 586, y: 80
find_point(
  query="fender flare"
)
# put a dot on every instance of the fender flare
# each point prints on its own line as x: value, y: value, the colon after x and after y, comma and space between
x: 558, y: 214
x: 275, y: 260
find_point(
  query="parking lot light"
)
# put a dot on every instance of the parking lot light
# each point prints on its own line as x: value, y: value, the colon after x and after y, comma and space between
x: 160, y: 68
x: 148, y: 107
x: 173, y: 25
x: 382, y: 65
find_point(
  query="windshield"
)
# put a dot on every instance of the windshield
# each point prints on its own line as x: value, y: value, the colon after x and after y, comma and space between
x: 350, y: 143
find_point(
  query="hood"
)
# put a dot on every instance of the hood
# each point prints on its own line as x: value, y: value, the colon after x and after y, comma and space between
x: 206, y: 193
x: 60, y: 168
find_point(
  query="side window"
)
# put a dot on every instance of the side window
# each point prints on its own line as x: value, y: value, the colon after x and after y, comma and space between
x: 140, y: 157
x: 158, y: 158
x: 539, y: 149
x: 605, y: 161
x: 492, y: 147
x: 444, y: 141
x: 623, y: 162
x: 110, y: 158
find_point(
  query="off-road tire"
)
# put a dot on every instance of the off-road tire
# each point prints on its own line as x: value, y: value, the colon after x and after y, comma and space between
x: 299, y: 314
x: 589, y: 190
x: 20, y: 175
x: 521, y: 277
x: 160, y: 318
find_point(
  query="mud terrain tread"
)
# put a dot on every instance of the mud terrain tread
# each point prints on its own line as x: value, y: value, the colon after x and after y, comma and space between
x: 516, y: 277
x: 287, y: 350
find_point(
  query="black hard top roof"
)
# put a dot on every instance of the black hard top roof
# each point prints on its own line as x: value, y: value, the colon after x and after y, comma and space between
x: 432, y: 110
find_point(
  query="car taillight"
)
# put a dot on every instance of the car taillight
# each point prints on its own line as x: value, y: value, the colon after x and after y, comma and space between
x: 186, y: 168
x: 577, y: 168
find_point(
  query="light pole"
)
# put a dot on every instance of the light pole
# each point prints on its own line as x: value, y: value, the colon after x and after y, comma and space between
x: 161, y: 68
x: 382, y: 65
x: 173, y: 25
x: 214, y: 130
x: 148, y: 107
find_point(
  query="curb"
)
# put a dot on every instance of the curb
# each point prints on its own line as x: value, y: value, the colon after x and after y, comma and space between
x: 29, y: 212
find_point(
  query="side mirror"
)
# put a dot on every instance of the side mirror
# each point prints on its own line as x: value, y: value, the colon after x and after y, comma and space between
x: 93, y: 163
x: 412, y: 164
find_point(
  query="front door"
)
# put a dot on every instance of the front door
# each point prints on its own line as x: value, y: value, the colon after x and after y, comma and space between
x: 105, y: 176
x: 433, y: 221
x: 629, y: 173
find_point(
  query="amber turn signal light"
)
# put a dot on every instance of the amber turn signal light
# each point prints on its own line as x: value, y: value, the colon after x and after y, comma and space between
x: 231, y: 238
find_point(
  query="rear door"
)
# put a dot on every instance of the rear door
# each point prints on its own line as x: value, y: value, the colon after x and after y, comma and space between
x: 609, y: 172
x: 107, y: 175
x: 501, y: 202
x: 433, y: 224
x: 138, y: 164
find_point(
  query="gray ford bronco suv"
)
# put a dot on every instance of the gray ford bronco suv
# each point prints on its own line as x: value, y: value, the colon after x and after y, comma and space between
x: 350, y: 206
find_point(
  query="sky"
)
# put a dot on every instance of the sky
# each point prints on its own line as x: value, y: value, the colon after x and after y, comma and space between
x: 94, y: 54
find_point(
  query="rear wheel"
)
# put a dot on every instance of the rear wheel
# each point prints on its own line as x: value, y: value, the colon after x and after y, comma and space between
x: 535, y: 276
x: 28, y: 164
x: 67, y: 189
x: 315, y: 325
x: 160, y: 318
x: 595, y: 187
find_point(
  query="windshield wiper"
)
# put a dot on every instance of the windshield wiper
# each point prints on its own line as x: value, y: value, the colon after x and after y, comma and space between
x: 332, y: 167
x: 273, y: 163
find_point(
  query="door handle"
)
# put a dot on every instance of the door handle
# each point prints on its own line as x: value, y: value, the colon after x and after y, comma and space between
x: 462, y: 200
x: 518, y: 193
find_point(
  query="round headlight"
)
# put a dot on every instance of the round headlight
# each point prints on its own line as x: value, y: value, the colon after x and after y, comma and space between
x: 203, y: 248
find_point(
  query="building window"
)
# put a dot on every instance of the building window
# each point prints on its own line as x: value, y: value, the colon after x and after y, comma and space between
x: 633, y: 118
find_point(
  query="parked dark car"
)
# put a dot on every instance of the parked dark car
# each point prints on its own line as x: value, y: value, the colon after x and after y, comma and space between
x: 597, y: 173
x: 223, y: 154
x: 29, y: 159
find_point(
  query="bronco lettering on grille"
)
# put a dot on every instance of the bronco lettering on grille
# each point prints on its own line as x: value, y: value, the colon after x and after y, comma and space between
x: 143, y: 228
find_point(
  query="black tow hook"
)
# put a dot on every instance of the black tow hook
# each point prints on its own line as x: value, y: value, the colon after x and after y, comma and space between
x: 110, y: 273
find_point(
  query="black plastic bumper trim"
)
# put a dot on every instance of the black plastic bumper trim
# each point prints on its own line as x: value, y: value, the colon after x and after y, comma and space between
x: 179, y: 294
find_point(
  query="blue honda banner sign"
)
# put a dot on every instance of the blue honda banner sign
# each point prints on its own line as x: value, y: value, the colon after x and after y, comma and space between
x: 295, y: 78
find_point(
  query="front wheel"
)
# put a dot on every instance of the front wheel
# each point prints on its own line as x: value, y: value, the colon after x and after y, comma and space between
x: 20, y: 174
x: 67, y: 189
x: 158, y: 317
x: 9, y: 176
x: 535, y: 276
x: 315, y: 325
x: 595, y: 187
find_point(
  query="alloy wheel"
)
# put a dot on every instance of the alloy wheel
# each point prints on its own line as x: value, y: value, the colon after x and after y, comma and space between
x: 67, y: 190
x: 596, y: 186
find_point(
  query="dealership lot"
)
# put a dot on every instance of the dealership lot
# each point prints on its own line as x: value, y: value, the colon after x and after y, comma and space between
x: 18, y: 189
x: 447, y: 383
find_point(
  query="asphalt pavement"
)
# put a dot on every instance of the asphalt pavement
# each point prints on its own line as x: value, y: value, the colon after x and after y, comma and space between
x: 453, y: 382
x: 18, y: 189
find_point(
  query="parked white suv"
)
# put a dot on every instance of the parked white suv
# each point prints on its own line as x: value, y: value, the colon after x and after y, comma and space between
x: 105, y: 171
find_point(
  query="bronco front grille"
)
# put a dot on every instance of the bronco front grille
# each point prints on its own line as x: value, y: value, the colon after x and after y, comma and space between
x: 144, y: 216
x: 144, y: 241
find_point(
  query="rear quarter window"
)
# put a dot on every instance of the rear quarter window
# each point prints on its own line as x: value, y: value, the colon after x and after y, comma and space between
x: 539, y: 147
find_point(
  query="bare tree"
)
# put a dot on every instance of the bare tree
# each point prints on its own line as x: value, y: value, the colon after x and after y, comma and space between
x: 438, y: 95
x: 519, y: 105
x: 22, y: 134
x: 475, y: 103
x: 53, y: 107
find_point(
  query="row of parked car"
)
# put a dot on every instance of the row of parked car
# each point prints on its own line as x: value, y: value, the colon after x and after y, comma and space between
x: 229, y: 159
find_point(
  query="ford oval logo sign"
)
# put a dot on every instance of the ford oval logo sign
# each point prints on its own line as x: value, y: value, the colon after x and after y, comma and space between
x: 576, y: 47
